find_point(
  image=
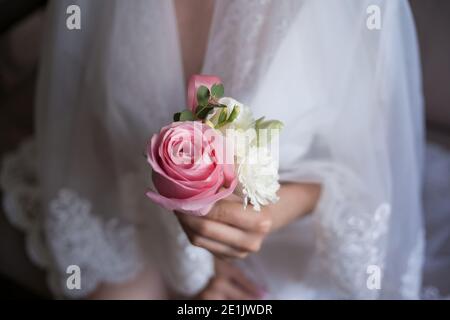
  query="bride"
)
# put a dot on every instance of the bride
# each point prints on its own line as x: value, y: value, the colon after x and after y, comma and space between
x: 348, y: 223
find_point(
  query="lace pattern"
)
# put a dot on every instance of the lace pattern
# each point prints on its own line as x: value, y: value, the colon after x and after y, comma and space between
x: 433, y: 293
x: 437, y: 219
x: 254, y: 26
x: 192, y: 266
x: 21, y: 200
x: 104, y: 250
x: 411, y: 280
x: 350, y: 237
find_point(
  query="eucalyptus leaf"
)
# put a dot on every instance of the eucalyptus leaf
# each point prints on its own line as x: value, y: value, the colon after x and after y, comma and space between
x: 176, y: 116
x: 217, y: 90
x: 187, y: 115
x: 203, y: 112
x: 203, y: 95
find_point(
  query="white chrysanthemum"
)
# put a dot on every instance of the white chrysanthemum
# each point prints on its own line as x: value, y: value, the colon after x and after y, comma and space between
x: 243, y: 141
x: 258, y: 178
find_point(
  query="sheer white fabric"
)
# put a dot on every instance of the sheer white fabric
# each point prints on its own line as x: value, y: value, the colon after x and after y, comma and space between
x: 350, y: 99
x: 351, y: 102
x: 82, y: 237
x: 436, y: 279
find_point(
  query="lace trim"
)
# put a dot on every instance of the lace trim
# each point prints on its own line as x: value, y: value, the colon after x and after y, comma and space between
x: 410, y: 280
x: 437, y: 219
x: 433, y: 293
x: 105, y: 251
x: 253, y: 26
x: 190, y: 267
x: 351, y: 238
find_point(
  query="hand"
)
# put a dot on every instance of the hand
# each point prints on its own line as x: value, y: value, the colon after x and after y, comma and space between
x: 229, y: 283
x: 146, y: 285
x: 228, y: 230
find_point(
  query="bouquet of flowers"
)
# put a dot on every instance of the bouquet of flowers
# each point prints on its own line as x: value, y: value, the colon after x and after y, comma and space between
x: 213, y: 148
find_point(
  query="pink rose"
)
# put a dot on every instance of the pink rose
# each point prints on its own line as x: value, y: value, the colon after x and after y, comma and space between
x: 195, y: 82
x: 190, y: 171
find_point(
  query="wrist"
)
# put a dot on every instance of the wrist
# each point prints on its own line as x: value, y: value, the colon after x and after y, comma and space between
x: 296, y: 200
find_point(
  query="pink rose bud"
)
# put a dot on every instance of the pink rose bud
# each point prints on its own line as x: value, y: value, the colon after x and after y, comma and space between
x: 195, y: 82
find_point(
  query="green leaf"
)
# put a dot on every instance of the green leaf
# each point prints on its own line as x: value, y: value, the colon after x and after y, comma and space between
x: 176, y: 116
x: 187, y: 115
x: 223, y: 116
x: 203, y: 112
x: 258, y: 122
x: 217, y: 105
x: 234, y: 114
x: 203, y: 95
x: 217, y: 90
x: 269, y: 125
x: 213, y: 105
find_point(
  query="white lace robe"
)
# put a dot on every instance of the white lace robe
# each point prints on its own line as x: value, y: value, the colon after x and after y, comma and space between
x: 350, y: 98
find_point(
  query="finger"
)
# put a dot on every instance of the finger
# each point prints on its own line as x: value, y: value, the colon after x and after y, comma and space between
x: 234, y: 197
x: 236, y: 275
x: 225, y: 234
x: 210, y: 292
x: 240, y: 279
x: 234, y: 214
x: 226, y: 259
x: 233, y: 292
x: 220, y: 250
x: 217, y: 248
x: 211, y: 296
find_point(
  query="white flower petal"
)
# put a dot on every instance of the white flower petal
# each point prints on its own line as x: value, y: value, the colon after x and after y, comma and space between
x: 258, y: 178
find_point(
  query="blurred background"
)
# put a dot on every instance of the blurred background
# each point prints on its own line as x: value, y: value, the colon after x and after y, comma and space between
x: 20, y: 36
